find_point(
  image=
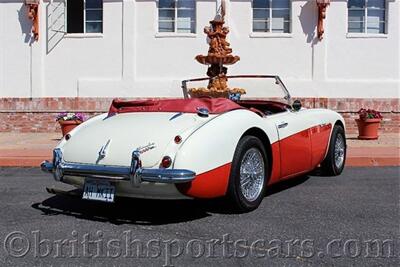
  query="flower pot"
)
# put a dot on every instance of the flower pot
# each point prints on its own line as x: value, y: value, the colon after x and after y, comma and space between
x: 67, y: 126
x: 368, y: 129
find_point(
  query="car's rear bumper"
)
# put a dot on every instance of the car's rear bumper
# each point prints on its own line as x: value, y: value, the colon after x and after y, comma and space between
x: 134, y: 173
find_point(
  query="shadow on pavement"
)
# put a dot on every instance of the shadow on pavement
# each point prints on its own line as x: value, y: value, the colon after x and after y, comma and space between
x: 144, y: 211
x: 124, y: 210
x: 281, y: 186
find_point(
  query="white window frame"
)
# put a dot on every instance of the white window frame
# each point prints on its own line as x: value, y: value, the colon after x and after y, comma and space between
x: 84, y: 33
x: 270, y: 33
x: 365, y: 33
x: 175, y: 32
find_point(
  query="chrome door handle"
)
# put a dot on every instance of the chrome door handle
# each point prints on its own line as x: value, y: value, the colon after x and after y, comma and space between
x: 282, y: 125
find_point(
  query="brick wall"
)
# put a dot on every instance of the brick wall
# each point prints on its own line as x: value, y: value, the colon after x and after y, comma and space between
x: 348, y: 108
x: 38, y: 114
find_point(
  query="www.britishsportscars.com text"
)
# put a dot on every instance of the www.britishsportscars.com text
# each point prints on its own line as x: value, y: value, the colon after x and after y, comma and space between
x: 96, y: 244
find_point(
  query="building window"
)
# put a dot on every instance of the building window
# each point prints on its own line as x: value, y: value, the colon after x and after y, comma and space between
x: 177, y: 16
x: 84, y: 16
x: 271, y: 16
x: 366, y: 16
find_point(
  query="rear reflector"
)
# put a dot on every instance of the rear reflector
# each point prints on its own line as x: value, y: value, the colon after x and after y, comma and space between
x: 178, y: 139
x: 166, y: 162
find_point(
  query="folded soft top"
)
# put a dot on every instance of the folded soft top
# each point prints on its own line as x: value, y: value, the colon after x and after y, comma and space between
x: 190, y: 105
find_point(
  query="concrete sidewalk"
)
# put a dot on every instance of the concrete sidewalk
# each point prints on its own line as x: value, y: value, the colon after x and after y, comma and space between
x: 30, y: 149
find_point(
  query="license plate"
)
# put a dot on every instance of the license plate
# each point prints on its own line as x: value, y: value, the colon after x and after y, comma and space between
x: 97, y: 190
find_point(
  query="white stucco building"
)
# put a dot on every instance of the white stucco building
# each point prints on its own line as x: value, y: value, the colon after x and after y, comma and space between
x: 136, y: 48
x: 130, y: 56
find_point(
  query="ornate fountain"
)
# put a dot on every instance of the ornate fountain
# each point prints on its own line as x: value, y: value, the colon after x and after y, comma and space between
x: 219, y: 54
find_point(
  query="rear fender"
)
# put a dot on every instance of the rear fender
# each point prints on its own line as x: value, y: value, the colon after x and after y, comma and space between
x: 209, y: 151
x: 333, y: 118
x: 83, y: 125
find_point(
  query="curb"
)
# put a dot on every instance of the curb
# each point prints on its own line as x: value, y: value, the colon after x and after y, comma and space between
x: 350, y: 161
x: 24, y: 157
x: 21, y: 162
x: 372, y: 162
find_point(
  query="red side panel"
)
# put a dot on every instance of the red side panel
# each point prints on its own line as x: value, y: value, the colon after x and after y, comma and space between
x: 319, y: 142
x: 210, y: 184
x: 276, y: 164
x: 295, y: 153
x: 214, y: 105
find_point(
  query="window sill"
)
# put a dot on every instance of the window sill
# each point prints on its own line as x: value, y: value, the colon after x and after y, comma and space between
x: 83, y: 35
x: 366, y: 35
x: 175, y: 35
x: 270, y: 35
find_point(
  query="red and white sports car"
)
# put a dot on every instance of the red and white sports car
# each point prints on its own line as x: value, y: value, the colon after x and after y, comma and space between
x: 199, y: 147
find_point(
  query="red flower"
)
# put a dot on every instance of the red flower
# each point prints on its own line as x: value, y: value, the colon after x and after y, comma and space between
x: 369, y: 114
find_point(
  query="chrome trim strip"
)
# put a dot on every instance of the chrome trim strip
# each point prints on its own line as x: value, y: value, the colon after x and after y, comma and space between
x: 95, y: 171
x: 133, y: 170
x: 134, y: 173
x: 283, y: 125
x: 46, y: 166
x: 166, y: 175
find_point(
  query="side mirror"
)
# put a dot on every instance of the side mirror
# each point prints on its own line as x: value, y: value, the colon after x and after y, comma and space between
x: 296, y: 105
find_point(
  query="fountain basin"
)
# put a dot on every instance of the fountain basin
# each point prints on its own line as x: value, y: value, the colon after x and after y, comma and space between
x: 215, y: 59
x: 233, y: 94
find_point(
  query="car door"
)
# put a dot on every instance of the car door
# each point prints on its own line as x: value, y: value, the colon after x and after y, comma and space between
x: 320, y: 134
x: 294, y: 131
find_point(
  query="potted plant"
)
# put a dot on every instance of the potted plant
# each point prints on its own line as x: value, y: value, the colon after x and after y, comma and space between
x: 368, y: 123
x: 69, y: 121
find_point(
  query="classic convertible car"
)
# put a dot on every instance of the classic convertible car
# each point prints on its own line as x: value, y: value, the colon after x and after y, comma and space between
x: 199, y: 148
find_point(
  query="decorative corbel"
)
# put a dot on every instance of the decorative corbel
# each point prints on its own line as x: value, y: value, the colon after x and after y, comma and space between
x: 33, y: 15
x: 322, y: 5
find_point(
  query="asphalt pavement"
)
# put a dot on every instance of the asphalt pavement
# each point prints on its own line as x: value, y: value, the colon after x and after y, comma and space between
x: 349, y: 220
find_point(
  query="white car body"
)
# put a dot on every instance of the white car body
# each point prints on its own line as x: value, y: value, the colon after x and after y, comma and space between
x: 296, y: 141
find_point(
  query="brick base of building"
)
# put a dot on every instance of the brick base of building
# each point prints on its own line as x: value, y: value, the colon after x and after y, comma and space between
x: 38, y: 114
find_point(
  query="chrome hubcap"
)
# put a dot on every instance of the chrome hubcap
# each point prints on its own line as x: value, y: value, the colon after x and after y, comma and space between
x: 339, y: 151
x: 252, y: 174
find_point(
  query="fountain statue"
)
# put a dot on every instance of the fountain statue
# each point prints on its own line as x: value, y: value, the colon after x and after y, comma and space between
x: 219, y: 54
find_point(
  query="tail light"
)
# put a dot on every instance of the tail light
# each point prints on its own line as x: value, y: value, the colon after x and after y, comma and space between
x: 178, y: 139
x: 166, y: 162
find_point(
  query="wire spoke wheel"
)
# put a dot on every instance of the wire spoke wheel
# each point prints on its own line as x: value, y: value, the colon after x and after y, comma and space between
x: 335, y: 158
x: 339, y: 151
x: 248, y: 178
x: 252, y: 173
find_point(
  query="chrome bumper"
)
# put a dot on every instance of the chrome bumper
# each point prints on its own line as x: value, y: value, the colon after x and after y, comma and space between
x: 134, y: 173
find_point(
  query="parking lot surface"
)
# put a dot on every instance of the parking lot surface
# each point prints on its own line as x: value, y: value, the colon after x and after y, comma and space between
x: 352, y: 219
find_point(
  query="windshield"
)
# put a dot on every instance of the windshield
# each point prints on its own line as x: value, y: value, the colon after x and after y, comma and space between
x: 265, y: 87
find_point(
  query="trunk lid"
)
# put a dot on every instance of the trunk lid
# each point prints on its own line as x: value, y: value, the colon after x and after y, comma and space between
x: 119, y: 135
